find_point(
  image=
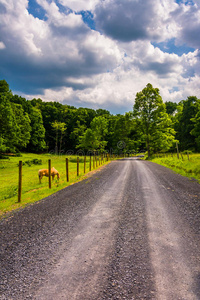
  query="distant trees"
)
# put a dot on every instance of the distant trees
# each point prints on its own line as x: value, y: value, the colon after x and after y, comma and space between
x: 14, y: 122
x: 185, y: 120
x: 8, y: 126
x: 59, y: 127
x: 37, y: 141
x: 21, y: 125
x: 153, y: 125
x: 94, y: 138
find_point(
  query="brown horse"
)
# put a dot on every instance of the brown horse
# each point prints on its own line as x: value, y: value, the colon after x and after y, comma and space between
x: 45, y: 172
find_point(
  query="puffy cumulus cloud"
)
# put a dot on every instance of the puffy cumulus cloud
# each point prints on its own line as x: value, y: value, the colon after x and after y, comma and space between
x: 78, y: 5
x: 59, y: 58
x: 18, y: 28
x: 130, y: 20
x: 188, y: 19
x: 44, y: 54
x: 142, y: 63
x: 191, y: 64
x: 147, y: 58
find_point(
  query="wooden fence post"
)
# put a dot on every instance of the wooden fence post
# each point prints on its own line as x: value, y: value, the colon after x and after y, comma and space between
x: 84, y: 164
x: 67, y: 169
x: 90, y: 162
x: 181, y: 155
x: 188, y: 155
x: 20, y: 182
x: 49, y: 173
x: 77, y: 166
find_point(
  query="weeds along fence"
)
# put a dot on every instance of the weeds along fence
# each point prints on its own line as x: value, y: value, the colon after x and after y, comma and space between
x: 186, y: 164
x: 20, y: 179
x: 179, y: 155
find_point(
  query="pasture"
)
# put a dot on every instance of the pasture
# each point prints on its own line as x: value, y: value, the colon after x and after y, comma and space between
x: 32, y: 190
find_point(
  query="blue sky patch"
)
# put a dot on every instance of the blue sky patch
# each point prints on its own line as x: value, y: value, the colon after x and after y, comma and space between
x: 88, y: 18
x: 36, y: 10
x: 170, y: 47
x: 174, y: 89
x: 63, y: 9
x: 188, y: 2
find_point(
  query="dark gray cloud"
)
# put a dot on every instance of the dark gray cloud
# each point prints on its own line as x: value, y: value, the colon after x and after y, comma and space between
x: 42, y: 55
x: 160, y: 68
x: 33, y: 76
x: 125, y: 20
x: 2, y: 9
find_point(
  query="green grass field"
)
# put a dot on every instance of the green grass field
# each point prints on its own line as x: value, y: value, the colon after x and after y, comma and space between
x: 32, y: 190
x: 189, y: 168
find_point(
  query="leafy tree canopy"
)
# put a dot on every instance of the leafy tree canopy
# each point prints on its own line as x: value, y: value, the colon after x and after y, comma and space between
x: 152, y: 119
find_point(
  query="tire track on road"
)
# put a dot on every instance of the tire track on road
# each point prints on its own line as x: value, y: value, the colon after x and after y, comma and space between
x: 174, y: 271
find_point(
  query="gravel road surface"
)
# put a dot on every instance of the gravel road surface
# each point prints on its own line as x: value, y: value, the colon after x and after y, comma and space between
x: 130, y: 231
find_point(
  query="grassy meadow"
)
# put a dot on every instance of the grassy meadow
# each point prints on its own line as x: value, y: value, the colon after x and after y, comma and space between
x: 32, y: 190
x: 186, y: 166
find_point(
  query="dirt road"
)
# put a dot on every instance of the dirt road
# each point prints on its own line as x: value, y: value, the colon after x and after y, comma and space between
x: 131, y: 231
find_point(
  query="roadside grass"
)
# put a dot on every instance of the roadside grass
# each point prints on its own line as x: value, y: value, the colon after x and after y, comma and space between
x: 189, y: 168
x: 32, y: 190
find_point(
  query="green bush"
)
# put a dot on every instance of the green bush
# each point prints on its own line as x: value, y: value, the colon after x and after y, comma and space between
x: 34, y: 161
x: 187, y: 152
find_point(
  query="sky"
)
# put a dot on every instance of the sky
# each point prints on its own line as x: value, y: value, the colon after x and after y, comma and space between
x: 100, y: 53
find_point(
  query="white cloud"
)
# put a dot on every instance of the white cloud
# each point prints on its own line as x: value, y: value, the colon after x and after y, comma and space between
x: 61, y: 59
x: 78, y: 5
x: 2, y: 46
x: 46, y: 53
x: 188, y: 20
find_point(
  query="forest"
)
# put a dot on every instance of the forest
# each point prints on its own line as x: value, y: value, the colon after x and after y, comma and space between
x: 153, y: 125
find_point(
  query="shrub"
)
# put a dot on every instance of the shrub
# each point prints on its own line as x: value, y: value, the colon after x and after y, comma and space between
x: 34, y: 161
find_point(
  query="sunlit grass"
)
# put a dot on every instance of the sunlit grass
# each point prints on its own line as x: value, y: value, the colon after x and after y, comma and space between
x: 32, y: 190
x: 186, y: 166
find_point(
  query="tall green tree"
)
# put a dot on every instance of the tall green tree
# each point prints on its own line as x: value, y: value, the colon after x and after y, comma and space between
x: 152, y: 120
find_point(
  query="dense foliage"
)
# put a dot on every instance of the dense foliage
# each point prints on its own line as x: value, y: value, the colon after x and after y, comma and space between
x: 38, y: 126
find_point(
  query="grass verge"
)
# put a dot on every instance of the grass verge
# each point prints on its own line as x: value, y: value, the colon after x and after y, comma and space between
x: 184, y: 166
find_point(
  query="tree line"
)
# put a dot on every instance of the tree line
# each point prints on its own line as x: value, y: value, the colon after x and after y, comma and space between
x: 154, y: 126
